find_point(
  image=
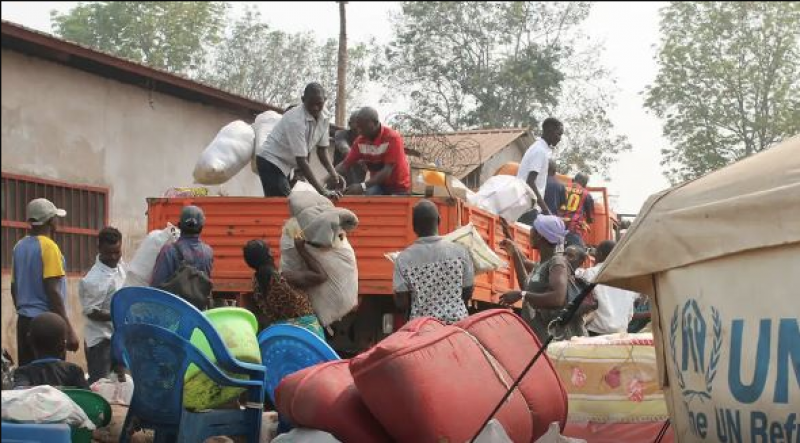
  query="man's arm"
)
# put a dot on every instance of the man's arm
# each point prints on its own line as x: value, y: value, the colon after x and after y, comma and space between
x: 92, y: 297
x: 322, y: 153
x: 312, y: 276
x: 532, y: 183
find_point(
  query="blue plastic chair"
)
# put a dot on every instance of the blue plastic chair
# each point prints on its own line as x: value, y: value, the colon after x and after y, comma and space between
x: 35, y: 433
x: 158, y: 359
x: 149, y: 306
x: 286, y: 349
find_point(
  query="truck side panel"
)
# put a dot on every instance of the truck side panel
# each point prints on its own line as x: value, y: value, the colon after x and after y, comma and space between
x: 385, y: 226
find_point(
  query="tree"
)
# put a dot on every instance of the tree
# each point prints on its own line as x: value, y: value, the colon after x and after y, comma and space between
x: 468, y: 65
x: 728, y: 84
x: 165, y: 35
x: 341, y: 72
x: 273, y: 66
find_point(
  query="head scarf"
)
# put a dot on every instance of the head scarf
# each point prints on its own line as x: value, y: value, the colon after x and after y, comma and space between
x: 551, y: 228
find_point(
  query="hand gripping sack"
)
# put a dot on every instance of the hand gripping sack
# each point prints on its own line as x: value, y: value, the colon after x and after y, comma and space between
x: 227, y: 154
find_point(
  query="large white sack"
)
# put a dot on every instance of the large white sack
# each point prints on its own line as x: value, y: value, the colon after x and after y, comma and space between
x: 227, y: 154
x: 140, y: 269
x: 43, y: 404
x: 337, y: 296
x: 506, y: 196
x: 262, y: 126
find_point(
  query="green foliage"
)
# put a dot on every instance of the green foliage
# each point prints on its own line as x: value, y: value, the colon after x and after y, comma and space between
x: 467, y: 65
x: 165, y: 35
x: 273, y: 66
x: 728, y: 84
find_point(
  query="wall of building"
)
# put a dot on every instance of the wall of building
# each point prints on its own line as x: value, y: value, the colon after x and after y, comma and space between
x: 64, y: 124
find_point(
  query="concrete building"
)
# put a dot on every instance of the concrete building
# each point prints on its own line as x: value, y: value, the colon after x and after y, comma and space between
x: 98, y: 135
x: 480, y: 152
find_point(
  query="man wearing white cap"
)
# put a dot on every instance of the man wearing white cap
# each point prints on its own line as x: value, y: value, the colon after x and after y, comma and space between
x: 38, y: 277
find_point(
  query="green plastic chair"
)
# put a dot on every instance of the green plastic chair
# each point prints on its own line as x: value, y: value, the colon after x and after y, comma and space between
x: 96, y: 408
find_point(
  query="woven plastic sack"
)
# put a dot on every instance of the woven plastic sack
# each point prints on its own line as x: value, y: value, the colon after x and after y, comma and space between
x: 262, y: 126
x: 140, y: 269
x: 227, y: 154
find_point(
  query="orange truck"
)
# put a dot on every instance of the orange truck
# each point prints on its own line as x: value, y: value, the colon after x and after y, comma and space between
x: 384, y: 226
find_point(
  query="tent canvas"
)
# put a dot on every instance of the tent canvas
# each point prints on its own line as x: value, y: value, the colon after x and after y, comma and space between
x: 720, y: 256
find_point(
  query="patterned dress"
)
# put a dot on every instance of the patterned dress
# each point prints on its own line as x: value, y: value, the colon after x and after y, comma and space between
x: 284, y: 305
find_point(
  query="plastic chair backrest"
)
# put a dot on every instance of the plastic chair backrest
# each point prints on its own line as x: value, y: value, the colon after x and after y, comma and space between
x: 143, y: 305
x: 286, y: 349
x: 158, y: 359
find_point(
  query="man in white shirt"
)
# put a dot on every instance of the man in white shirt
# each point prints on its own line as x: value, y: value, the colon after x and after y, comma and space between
x: 95, y: 290
x: 534, y: 165
x: 614, y: 306
x: 288, y: 146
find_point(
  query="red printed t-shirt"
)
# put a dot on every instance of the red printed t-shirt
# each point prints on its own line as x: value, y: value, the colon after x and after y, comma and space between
x: 386, y: 148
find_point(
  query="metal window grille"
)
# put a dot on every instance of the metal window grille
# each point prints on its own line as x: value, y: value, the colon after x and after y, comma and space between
x: 87, y: 213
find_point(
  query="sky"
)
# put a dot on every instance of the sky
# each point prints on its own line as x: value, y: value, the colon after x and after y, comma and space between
x: 629, y: 30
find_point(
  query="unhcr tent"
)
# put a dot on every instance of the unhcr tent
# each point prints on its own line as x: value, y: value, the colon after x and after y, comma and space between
x: 720, y: 257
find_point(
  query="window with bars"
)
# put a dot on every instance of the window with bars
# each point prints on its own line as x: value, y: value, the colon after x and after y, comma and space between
x: 87, y: 213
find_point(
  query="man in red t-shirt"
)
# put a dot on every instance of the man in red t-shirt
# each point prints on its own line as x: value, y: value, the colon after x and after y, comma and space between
x: 381, y: 150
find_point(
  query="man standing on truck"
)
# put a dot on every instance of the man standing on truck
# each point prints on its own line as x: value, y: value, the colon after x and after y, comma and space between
x: 38, y: 277
x: 188, y: 255
x: 534, y: 166
x: 579, y: 210
x: 288, y: 146
x: 433, y: 277
x: 381, y: 150
x: 555, y: 194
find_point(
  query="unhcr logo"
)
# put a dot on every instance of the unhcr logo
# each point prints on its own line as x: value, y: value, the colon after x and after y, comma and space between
x: 696, y: 347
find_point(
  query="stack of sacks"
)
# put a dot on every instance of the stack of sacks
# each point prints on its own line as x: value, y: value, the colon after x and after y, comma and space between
x: 612, y: 385
x: 429, y: 382
x: 324, y: 228
x: 445, y: 380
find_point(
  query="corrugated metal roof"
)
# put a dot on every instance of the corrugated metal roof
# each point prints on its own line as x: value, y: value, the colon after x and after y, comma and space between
x: 27, y: 41
x: 488, y: 142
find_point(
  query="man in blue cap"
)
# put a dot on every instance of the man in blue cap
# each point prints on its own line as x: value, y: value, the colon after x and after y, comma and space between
x: 188, y: 250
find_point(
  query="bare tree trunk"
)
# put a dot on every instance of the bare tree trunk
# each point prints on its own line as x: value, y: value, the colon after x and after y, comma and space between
x: 341, y: 77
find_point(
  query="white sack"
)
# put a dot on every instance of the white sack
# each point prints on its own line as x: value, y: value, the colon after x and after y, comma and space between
x: 114, y: 391
x: 262, y: 127
x: 506, y: 196
x: 337, y: 296
x: 140, y: 269
x: 227, y: 154
x: 43, y: 404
